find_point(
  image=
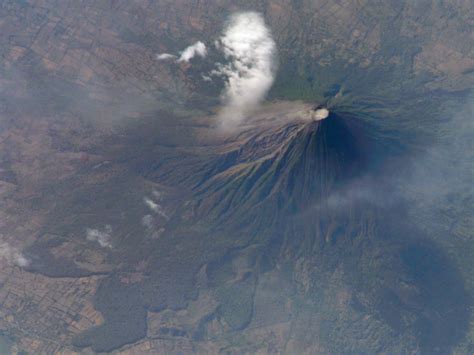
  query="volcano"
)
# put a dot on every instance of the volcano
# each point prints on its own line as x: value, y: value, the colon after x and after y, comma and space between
x: 285, y: 223
x: 238, y: 177
x: 292, y: 166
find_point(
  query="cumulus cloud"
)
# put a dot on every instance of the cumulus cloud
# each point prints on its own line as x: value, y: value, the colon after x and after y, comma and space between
x: 102, y: 237
x: 249, y: 70
x: 12, y: 255
x: 165, y: 56
x: 197, y: 49
x: 248, y: 45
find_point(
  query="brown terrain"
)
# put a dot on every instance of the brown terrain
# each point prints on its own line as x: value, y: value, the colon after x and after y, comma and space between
x: 80, y: 85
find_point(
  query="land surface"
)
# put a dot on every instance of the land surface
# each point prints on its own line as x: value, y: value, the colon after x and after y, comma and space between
x: 250, y: 241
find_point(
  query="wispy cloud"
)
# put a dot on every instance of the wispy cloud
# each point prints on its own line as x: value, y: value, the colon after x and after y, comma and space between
x: 248, y: 45
x: 152, y: 205
x: 12, y: 255
x: 154, y: 223
x: 102, y: 237
x: 155, y: 207
x: 152, y: 226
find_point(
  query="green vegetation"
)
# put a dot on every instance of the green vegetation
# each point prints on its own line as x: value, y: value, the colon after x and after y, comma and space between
x: 125, y: 317
x: 236, y: 302
x: 5, y: 345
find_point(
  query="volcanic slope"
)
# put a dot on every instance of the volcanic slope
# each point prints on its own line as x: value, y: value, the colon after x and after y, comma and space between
x: 293, y: 166
x: 286, y: 208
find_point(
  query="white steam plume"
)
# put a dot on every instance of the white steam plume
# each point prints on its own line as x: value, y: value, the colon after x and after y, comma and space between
x: 248, y: 44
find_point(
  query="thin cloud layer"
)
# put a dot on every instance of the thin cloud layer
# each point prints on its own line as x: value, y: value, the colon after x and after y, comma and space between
x: 248, y: 44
